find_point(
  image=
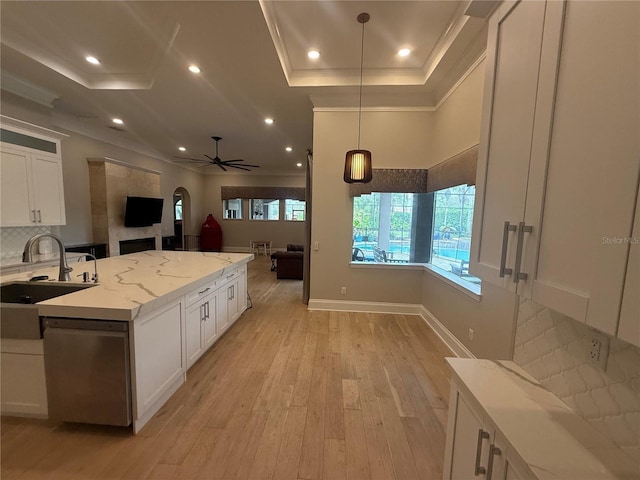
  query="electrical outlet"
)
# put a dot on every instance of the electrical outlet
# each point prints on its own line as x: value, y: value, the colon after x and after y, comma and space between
x: 343, y: 291
x: 470, y: 334
x: 597, y: 348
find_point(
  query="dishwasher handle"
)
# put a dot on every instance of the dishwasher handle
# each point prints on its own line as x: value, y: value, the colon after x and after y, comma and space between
x: 85, y: 324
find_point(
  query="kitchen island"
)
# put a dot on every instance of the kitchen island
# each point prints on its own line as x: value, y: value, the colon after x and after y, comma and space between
x: 176, y: 305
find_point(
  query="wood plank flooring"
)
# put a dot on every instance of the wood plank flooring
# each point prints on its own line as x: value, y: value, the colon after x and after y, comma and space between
x: 285, y: 394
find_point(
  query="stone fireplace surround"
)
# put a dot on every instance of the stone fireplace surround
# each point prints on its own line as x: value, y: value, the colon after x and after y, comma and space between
x: 110, y: 182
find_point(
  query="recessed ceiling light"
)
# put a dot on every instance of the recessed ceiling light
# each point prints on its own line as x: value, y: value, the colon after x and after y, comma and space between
x: 313, y: 54
x: 194, y: 69
x: 298, y: 164
x: 117, y: 121
x: 269, y: 121
x: 289, y: 149
x: 92, y: 60
x: 404, y: 52
x: 182, y: 149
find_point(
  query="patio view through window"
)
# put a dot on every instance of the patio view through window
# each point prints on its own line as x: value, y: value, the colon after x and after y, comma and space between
x: 232, y: 208
x: 294, y: 210
x: 264, y: 209
x: 430, y: 228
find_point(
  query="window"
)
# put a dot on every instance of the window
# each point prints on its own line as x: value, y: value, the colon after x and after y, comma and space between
x: 232, y: 208
x: 264, y: 209
x: 432, y: 228
x: 294, y: 210
x: 177, y: 209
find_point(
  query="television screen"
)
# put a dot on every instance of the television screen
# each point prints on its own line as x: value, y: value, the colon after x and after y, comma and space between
x: 143, y: 211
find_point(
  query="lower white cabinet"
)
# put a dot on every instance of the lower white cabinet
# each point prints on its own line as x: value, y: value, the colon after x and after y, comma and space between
x: 24, y: 390
x: 201, y: 324
x: 474, y: 447
x: 158, y: 359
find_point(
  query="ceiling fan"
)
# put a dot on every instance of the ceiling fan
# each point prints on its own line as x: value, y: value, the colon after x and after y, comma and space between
x: 219, y: 162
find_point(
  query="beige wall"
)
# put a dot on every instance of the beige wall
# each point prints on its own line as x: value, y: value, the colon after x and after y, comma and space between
x: 401, y: 139
x: 236, y: 234
x: 75, y: 151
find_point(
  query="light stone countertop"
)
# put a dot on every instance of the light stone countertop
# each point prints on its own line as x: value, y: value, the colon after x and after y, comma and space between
x: 546, y: 434
x: 135, y: 284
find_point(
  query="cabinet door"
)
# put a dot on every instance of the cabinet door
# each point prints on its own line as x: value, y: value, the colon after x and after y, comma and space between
x: 234, y: 310
x: 587, y: 151
x: 194, y: 317
x: 24, y: 391
x: 158, y: 355
x: 15, y: 189
x: 209, y: 325
x: 222, y: 309
x: 629, y: 328
x: 467, y: 442
x: 242, y: 290
x: 513, y: 58
x: 48, y: 190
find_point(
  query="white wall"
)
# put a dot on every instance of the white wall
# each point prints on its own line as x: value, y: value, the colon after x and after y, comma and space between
x: 236, y: 234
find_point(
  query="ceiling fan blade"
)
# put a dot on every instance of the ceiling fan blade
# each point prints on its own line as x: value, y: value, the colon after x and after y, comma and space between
x: 215, y: 160
x: 221, y: 166
x: 239, y: 168
x: 233, y: 161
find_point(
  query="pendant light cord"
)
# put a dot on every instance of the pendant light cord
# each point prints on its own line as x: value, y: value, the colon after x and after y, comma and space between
x: 360, y: 94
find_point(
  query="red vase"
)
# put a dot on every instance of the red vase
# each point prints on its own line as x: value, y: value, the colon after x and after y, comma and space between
x: 211, y: 235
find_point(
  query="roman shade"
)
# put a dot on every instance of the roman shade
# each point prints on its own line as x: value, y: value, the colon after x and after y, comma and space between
x: 282, y: 193
x: 457, y: 170
x: 393, y: 180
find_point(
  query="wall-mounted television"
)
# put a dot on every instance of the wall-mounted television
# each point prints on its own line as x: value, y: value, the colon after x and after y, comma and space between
x: 143, y: 211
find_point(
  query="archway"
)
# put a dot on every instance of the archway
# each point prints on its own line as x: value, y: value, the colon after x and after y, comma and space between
x: 181, y: 216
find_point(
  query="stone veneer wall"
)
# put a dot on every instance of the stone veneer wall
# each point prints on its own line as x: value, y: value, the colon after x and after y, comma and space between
x: 552, y: 348
x: 110, y: 181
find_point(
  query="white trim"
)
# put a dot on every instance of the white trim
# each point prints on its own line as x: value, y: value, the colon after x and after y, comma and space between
x: 387, y: 265
x: 460, y: 80
x: 30, y: 128
x: 375, y: 109
x: 370, y: 307
x: 470, y: 289
x: 448, y: 338
x: 122, y: 164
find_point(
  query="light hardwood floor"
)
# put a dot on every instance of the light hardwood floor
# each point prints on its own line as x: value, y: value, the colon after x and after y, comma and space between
x: 285, y: 394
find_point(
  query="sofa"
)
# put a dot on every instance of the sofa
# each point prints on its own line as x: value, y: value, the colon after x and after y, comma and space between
x: 290, y: 263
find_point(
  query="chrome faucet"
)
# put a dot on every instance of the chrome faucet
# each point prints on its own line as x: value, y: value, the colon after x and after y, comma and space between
x: 27, y: 256
x: 85, y: 275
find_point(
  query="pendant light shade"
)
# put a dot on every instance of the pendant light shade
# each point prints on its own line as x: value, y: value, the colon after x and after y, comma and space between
x: 357, y: 164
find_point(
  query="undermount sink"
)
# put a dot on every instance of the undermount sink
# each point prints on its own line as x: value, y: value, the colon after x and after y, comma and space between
x: 19, y: 315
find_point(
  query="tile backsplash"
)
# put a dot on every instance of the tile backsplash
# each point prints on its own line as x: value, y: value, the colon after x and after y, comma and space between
x: 12, y: 239
x: 553, y: 349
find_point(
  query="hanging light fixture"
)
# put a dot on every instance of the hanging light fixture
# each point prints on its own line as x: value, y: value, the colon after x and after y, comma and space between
x: 357, y: 165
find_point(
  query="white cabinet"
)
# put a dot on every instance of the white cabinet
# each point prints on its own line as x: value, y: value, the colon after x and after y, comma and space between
x: 474, y: 448
x: 23, y: 389
x: 201, y: 328
x: 31, y: 190
x: 231, y: 297
x: 559, y: 163
x: 158, y: 363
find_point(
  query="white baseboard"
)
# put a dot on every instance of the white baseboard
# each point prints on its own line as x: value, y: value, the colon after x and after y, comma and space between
x: 371, y: 307
x: 448, y: 338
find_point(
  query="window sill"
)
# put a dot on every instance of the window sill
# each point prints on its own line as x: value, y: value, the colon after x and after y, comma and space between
x: 470, y: 289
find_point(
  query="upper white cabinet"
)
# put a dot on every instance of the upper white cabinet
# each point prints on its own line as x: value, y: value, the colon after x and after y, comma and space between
x: 560, y: 155
x: 31, y: 188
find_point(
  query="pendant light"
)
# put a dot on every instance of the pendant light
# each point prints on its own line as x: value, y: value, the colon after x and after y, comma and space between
x: 357, y: 165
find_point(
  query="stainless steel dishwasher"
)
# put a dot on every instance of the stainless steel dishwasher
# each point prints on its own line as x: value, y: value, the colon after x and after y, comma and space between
x: 87, y: 370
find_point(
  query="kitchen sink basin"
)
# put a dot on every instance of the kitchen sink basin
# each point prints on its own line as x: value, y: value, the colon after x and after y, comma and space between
x: 19, y: 315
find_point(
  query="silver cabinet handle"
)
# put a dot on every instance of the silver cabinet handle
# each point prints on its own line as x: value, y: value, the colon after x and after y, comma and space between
x: 34, y: 216
x: 39, y: 216
x: 206, y: 311
x: 230, y: 276
x: 205, y: 290
x: 481, y: 435
x: 493, y: 452
x: 522, y: 229
x: 505, y: 242
x: 202, y: 313
x: 233, y: 292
